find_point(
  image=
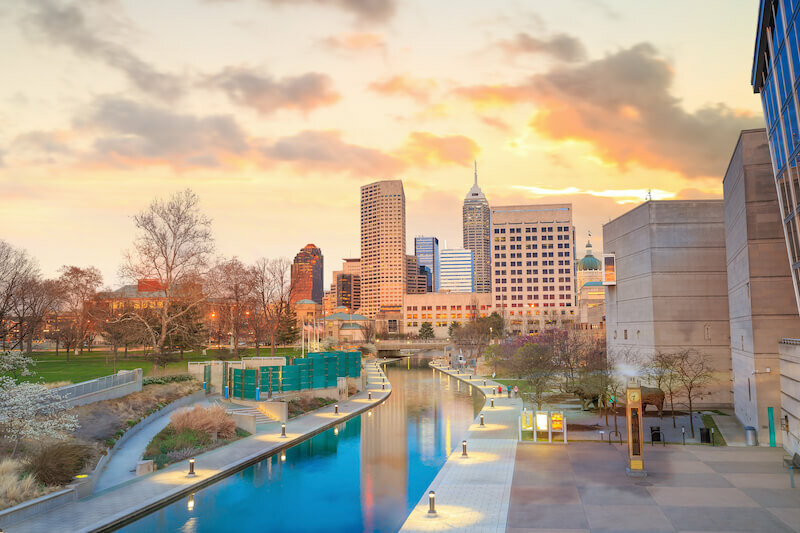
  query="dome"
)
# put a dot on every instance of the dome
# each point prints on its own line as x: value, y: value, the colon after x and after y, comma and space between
x: 589, y: 261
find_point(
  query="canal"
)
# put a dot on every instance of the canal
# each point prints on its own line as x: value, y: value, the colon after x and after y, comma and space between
x: 365, y: 475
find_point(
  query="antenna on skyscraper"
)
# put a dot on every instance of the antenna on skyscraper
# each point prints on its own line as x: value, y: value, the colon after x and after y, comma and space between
x: 476, y: 171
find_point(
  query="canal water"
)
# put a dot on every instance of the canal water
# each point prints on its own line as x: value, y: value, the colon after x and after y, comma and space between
x: 365, y: 475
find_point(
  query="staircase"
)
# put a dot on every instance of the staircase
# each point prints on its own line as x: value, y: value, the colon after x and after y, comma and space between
x: 261, y: 417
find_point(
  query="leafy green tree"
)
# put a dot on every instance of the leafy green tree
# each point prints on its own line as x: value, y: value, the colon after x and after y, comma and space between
x: 426, y: 331
x: 454, y: 327
x: 496, y: 325
x: 288, y: 333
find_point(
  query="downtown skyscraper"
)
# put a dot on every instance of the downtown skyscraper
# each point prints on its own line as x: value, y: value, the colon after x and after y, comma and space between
x: 476, y: 218
x: 427, y: 251
x: 306, y: 273
x: 457, y: 272
x: 383, y: 247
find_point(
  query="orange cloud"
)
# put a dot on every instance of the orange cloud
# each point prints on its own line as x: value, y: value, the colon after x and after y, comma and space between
x: 426, y: 149
x: 496, y: 123
x: 356, y: 42
x: 415, y: 88
x: 484, y: 96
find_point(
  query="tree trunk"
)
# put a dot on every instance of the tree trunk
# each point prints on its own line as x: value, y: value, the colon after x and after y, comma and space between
x: 672, y: 408
x: 691, y: 418
x: 29, y: 344
x: 256, y: 347
x: 56, y: 346
x: 125, y: 355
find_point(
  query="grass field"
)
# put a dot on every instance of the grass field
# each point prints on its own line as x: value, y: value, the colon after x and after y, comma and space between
x: 100, y: 363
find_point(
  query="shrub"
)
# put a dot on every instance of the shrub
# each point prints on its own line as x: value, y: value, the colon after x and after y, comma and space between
x: 208, y: 420
x: 15, y: 487
x: 161, y: 380
x: 57, y: 464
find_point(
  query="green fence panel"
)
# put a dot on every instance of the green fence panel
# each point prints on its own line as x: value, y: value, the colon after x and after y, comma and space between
x: 250, y: 382
x: 237, y: 383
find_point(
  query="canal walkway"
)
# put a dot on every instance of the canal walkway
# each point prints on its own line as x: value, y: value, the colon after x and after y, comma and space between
x: 107, y: 509
x: 473, y: 492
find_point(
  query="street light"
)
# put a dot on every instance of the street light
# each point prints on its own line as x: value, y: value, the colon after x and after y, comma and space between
x: 191, y: 468
x: 432, y: 503
x: 464, y: 448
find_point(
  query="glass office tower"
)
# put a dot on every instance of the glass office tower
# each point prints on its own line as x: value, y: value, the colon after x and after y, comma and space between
x: 427, y: 251
x: 457, y: 270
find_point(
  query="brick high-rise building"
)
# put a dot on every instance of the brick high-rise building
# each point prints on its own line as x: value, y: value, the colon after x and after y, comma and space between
x: 533, y: 282
x: 383, y: 247
x: 476, y: 218
x: 307, y: 275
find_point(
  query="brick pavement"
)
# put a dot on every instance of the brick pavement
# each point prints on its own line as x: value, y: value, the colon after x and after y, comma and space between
x: 107, y: 507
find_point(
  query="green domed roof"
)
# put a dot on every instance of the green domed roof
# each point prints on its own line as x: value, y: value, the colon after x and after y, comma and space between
x: 589, y: 262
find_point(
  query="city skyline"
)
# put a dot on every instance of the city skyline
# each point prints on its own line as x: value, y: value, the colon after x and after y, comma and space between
x: 255, y: 132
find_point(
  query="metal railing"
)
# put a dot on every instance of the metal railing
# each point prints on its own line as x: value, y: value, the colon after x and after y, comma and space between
x: 77, y: 390
x: 793, y: 342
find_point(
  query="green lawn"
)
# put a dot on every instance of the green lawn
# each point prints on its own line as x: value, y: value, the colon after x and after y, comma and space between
x: 708, y: 421
x: 93, y: 365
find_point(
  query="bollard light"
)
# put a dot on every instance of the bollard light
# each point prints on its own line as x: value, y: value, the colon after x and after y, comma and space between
x: 683, y: 434
x: 482, y: 425
x: 712, y: 437
x: 369, y: 395
x: 383, y: 386
x: 191, y: 468
x: 492, y: 400
x: 336, y: 409
x: 190, y: 503
x: 484, y: 382
x: 283, y: 431
x: 470, y: 376
x: 463, y: 448
x: 432, y: 503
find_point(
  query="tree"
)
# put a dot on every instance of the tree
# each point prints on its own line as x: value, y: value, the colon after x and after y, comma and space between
x: 328, y: 344
x: 288, y: 332
x: 235, y: 283
x: 78, y: 288
x: 32, y: 301
x: 368, y: 331
x: 31, y: 411
x: 693, y: 369
x: 535, y: 363
x: 16, y: 363
x: 426, y: 331
x: 451, y: 330
x: 662, y: 372
x: 496, y: 325
x: 272, y: 291
x: 16, y: 266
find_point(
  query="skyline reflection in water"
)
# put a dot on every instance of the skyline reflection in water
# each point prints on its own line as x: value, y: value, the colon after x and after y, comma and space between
x: 367, y: 477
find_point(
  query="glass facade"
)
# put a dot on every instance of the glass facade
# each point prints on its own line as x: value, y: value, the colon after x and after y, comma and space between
x: 427, y: 251
x: 457, y: 271
x: 776, y: 75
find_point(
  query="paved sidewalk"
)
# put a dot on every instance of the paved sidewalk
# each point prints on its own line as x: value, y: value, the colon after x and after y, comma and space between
x: 582, y: 487
x: 148, y: 492
x: 122, y: 465
x: 473, y: 493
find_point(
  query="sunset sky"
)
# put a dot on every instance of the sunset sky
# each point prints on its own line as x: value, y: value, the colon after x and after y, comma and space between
x: 276, y: 111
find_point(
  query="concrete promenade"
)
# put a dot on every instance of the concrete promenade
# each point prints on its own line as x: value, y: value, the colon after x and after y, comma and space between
x: 582, y: 487
x: 473, y: 493
x: 109, y: 508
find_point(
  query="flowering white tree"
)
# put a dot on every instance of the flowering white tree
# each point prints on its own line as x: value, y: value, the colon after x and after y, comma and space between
x: 31, y: 411
x: 15, y: 363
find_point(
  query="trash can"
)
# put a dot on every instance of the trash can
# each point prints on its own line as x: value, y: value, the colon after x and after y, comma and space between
x: 655, y: 433
x: 750, y: 436
x: 705, y: 435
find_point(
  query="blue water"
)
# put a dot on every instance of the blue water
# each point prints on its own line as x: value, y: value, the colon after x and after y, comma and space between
x: 365, y: 477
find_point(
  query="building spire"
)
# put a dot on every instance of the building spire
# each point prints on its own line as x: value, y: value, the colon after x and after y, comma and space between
x: 476, y: 172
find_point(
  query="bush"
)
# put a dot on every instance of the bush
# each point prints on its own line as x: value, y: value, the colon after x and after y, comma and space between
x: 57, y: 464
x: 162, y: 380
x: 208, y: 420
x: 15, y: 487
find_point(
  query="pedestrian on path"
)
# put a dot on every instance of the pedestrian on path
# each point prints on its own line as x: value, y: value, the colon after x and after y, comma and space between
x: 499, y: 389
x: 516, y: 391
x: 508, y: 390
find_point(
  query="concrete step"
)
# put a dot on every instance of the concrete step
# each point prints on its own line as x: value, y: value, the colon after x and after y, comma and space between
x: 261, y: 418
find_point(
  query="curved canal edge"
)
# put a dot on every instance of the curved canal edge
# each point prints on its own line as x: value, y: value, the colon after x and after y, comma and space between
x: 117, y: 506
x: 473, y: 492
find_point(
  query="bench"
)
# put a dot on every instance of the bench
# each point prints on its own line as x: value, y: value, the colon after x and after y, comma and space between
x: 792, y: 464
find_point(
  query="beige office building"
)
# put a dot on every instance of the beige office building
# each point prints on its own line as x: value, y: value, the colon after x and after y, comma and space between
x: 533, y: 253
x: 760, y: 291
x: 383, y: 247
x: 671, y: 289
x: 443, y: 308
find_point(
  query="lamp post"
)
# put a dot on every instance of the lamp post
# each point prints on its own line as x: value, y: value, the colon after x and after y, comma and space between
x: 432, y: 503
x: 482, y: 424
x: 464, y: 448
x: 283, y: 431
x: 191, y: 468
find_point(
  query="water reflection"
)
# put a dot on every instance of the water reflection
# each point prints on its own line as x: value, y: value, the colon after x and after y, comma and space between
x: 367, y: 476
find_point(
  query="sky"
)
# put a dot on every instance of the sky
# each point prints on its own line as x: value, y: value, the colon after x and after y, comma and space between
x: 276, y: 112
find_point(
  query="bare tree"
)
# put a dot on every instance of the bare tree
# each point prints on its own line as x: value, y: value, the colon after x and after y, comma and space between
x: 693, y: 370
x: 663, y: 374
x: 534, y: 362
x: 235, y: 283
x: 32, y: 301
x: 16, y: 266
x: 272, y: 292
x: 172, y: 249
x: 78, y: 288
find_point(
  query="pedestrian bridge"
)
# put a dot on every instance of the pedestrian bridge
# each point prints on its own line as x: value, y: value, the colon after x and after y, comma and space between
x: 400, y: 347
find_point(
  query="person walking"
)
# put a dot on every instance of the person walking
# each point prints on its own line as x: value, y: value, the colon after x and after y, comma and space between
x: 516, y: 391
x: 508, y: 390
x: 499, y: 389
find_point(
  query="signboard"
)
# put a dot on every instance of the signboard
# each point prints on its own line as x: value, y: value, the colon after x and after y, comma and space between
x: 558, y: 421
x: 609, y: 269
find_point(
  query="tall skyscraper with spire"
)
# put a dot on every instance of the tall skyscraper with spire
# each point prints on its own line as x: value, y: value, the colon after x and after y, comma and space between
x: 477, y: 222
